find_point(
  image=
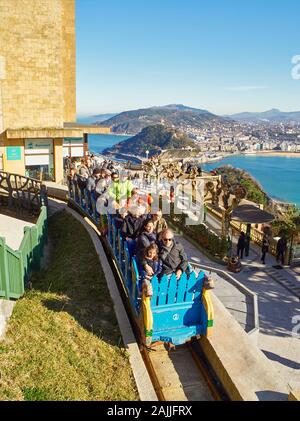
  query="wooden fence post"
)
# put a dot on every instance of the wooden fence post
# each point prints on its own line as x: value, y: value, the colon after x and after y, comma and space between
x: 35, y: 247
x: 22, y: 272
x: 4, y: 267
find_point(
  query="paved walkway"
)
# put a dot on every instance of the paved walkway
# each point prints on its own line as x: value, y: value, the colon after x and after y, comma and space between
x: 12, y: 230
x: 287, y: 277
x: 277, y: 306
x: 238, y: 303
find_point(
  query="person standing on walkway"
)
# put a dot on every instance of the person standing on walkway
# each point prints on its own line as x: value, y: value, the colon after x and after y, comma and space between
x: 241, y: 245
x: 265, y: 248
x: 281, y: 249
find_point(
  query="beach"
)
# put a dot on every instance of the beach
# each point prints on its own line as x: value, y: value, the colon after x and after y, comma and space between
x: 279, y: 153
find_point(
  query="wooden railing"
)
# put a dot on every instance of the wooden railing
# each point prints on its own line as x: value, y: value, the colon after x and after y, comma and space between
x: 22, y: 192
x: 19, y: 192
x: 255, y: 235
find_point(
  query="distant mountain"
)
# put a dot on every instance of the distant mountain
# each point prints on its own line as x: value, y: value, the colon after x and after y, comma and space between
x: 272, y: 116
x: 93, y: 119
x: 173, y: 115
x: 102, y: 117
x: 154, y: 139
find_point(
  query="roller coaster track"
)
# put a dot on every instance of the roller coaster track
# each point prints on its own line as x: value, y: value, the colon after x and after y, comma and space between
x: 180, y: 373
x: 183, y: 374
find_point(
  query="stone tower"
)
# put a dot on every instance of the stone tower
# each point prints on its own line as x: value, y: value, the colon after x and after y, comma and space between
x: 37, y: 86
x: 37, y: 63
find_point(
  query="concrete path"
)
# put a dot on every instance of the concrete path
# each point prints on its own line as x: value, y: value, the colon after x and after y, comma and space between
x: 12, y: 230
x: 289, y: 277
x: 278, y: 308
x: 236, y: 302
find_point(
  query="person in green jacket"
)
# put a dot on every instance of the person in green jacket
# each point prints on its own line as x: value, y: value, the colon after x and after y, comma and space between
x: 119, y: 190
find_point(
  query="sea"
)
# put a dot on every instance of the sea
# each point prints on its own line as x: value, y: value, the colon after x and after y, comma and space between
x: 99, y: 142
x: 278, y: 175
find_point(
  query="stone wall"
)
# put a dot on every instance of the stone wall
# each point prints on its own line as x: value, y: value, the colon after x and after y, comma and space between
x: 37, y: 63
x: 69, y: 59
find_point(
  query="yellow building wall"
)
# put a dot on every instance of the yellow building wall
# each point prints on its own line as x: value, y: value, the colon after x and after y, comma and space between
x: 15, y: 167
x: 18, y: 167
x: 69, y: 59
x: 37, y: 63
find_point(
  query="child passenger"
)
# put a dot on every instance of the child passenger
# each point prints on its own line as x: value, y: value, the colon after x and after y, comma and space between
x: 151, y: 266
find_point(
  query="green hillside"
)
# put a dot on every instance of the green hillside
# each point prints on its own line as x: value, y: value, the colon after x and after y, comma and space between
x: 153, y: 139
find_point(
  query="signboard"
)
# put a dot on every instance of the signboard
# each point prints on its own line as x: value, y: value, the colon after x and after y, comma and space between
x: 38, y: 146
x: 77, y: 152
x: 73, y: 141
x: 66, y: 152
x: 14, y: 153
x: 37, y: 160
x: 73, y: 146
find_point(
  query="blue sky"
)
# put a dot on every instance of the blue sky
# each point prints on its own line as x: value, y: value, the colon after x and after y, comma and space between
x: 226, y: 56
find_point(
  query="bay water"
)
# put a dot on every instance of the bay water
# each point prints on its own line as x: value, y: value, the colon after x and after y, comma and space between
x: 278, y: 175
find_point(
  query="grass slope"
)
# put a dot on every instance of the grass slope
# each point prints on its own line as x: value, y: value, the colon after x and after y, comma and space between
x: 63, y: 341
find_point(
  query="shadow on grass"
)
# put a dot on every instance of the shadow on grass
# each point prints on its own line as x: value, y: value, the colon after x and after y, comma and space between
x: 100, y: 323
x: 76, y: 277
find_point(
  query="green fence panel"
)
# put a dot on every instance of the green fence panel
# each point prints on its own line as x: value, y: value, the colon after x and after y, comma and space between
x: 16, y: 266
x: 16, y: 273
x: 4, y: 269
x: 26, y: 253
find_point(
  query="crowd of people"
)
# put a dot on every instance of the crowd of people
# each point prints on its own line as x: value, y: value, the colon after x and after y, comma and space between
x: 152, y: 243
x: 142, y: 226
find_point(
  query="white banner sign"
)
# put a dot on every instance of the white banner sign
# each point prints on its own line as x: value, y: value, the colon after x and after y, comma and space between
x: 36, y: 160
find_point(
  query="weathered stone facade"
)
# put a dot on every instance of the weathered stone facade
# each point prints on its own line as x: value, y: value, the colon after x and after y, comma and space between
x: 37, y: 63
x: 38, y: 88
x: 37, y: 80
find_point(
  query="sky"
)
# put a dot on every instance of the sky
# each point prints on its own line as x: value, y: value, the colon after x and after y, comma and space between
x: 225, y: 56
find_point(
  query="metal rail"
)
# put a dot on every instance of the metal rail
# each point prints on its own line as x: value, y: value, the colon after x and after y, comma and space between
x: 239, y: 286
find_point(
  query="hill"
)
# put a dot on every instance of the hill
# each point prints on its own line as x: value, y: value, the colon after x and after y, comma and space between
x: 272, y: 116
x: 236, y: 176
x: 154, y: 139
x: 173, y: 115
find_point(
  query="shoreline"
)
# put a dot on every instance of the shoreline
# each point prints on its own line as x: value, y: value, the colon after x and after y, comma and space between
x: 280, y: 153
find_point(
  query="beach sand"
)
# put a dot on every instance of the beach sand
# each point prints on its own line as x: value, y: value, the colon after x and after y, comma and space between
x: 280, y: 153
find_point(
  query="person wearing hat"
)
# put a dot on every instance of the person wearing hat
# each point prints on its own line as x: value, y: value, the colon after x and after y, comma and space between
x: 160, y: 224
